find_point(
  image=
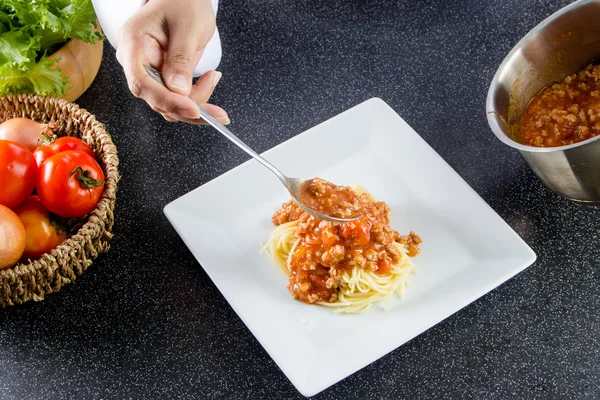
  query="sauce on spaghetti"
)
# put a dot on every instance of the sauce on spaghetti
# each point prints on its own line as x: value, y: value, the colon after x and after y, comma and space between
x: 564, y: 113
x: 325, y: 250
x: 329, y: 199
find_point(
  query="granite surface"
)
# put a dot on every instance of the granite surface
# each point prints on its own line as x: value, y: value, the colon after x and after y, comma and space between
x: 145, y: 321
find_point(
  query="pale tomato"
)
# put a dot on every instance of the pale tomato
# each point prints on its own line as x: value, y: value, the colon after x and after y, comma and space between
x: 12, y: 237
x: 25, y: 131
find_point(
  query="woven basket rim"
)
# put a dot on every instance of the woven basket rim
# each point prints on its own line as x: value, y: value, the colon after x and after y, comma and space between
x: 97, y: 223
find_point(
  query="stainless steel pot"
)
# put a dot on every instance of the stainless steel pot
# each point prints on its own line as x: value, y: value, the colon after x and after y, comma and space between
x: 563, y: 44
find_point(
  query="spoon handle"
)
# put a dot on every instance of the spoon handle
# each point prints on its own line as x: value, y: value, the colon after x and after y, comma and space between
x: 205, y: 115
x: 229, y: 135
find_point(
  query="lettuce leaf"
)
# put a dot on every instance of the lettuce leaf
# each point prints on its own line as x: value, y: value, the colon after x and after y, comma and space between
x: 17, y: 47
x: 35, y: 77
x: 80, y: 20
x: 5, y: 23
x: 32, y: 29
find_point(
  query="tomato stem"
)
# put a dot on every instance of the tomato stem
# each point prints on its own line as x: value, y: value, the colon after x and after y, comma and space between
x: 48, y: 133
x: 85, y: 179
x: 58, y: 223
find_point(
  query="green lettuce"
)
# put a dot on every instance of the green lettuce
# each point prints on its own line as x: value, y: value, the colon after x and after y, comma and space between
x: 5, y: 24
x: 30, y: 30
x: 35, y: 77
x: 17, y: 47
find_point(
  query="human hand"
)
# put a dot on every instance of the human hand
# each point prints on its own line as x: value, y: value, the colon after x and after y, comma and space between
x: 170, y: 36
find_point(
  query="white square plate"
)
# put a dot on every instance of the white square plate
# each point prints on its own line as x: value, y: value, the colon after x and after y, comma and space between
x: 467, y: 248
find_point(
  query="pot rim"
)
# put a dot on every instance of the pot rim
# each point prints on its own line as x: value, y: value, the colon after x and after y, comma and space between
x: 490, y: 110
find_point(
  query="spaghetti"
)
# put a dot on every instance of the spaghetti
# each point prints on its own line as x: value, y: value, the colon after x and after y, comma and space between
x: 347, y: 266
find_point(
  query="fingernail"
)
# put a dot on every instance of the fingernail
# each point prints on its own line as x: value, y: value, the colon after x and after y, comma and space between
x: 180, y: 82
x: 189, y: 113
x: 224, y: 120
x: 216, y: 77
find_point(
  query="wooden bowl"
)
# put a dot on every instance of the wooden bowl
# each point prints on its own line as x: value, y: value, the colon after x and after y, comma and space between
x: 80, y: 62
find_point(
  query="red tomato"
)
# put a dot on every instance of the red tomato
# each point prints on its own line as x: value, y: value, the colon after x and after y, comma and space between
x: 18, y: 173
x: 43, y: 230
x: 70, y: 184
x: 41, y: 153
x: 61, y: 144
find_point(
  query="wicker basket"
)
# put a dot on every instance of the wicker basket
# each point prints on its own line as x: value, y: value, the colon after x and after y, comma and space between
x: 61, y: 266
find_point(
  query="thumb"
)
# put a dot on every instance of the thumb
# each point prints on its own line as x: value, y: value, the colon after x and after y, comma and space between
x: 183, y: 53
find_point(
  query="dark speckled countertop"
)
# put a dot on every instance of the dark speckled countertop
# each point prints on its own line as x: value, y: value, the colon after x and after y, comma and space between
x: 145, y: 321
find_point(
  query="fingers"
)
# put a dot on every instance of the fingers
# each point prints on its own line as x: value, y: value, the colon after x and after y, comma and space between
x: 135, y: 51
x: 201, y: 92
x: 155, y: 94
x: 153, y: 53
x: 170, y: 40
x: 216, y: 111
x: 204, y: 87
x: 184, y: 49
x: 168, y: 118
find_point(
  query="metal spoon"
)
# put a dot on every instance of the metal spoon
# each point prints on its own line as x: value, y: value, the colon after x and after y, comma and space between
x: 293, y: 185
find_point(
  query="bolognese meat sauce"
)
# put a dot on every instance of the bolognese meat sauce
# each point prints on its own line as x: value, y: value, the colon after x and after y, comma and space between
x: 564, y: 113
x: 325, y: 250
